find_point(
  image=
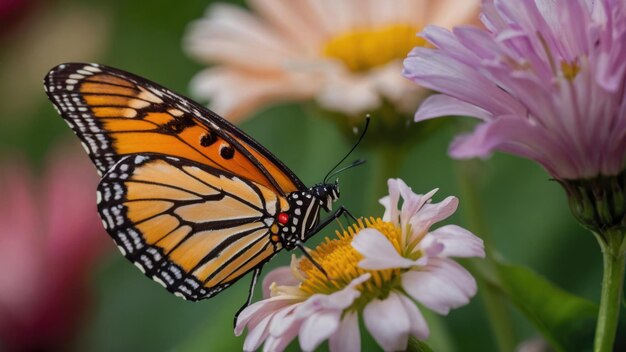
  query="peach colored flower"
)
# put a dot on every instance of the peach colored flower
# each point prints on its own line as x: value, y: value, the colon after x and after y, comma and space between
x: 347, y: 55
x: 379, y: 269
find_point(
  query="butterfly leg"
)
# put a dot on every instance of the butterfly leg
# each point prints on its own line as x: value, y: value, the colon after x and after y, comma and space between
x: 255, y: 277
x: 334, y: 216
x: 300, y: 245
x: 347, y: 214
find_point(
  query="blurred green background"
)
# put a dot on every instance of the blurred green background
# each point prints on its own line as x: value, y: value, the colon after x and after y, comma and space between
x: 526, y: 212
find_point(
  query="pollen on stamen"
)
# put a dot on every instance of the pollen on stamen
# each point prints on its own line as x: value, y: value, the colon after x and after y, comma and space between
x: 340, y: 260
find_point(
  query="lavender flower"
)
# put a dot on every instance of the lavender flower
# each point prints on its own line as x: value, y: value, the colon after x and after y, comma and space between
x: 546, y: 79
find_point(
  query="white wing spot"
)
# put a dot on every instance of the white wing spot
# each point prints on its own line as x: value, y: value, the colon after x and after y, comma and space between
x: 85, y: 147
x: 140, y: 267
x: 140, y: 159
x: 157, y: 279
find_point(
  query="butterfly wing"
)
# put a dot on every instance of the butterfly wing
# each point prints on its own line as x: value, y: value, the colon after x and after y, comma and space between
x: 116, y: 114
x: 195, y: 230
x: 188, y: 197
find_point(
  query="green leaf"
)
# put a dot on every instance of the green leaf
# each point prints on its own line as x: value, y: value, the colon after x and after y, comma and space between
x: 566, y: 321
x: 416, y: 345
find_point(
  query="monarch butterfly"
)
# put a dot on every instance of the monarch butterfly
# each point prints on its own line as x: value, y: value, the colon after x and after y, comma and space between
x: 190, y: 199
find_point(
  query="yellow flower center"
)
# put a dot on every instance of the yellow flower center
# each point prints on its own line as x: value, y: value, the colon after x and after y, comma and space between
x: 340, y: 260
x: 361, y: 50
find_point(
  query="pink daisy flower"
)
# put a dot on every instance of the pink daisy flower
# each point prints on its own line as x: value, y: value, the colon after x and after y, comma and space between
x: 547, y: 80
x: 379, y: 269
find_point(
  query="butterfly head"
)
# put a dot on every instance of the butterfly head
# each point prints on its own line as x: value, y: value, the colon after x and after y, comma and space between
x: 326, y: 194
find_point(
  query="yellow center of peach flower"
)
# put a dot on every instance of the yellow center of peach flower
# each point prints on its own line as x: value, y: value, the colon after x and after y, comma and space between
x: 361, y: 50
x: 340, y: 260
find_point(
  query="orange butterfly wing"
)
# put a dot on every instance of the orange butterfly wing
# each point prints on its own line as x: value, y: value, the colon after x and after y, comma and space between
x: 116, y: 113
x: 194, y: 230
x: 187, y: 197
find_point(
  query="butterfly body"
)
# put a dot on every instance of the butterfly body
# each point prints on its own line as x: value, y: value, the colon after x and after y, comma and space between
x: 190, y: 199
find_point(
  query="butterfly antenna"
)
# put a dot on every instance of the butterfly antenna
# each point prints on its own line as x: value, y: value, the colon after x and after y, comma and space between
x: 352, y: 164
x: 356, y: 163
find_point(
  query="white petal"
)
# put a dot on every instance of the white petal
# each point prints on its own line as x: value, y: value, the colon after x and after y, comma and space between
x: 430, y: 246
x: 441, y: 285
x: 281, y: 276
x: 388, y: 322
x: 284, y: 320
x: 257, y: 335
x: 335, y: 301
x: 348, y: 94
x: 255, y: 312
x: 378, y: 251
x: 419, y: 328
x: 386, y: 202
x: 347, y: 338
x: 390, y: 202
x: 279, y: 343
x: 432, y: 213
x: 458, y: 242
x: 317, y: 328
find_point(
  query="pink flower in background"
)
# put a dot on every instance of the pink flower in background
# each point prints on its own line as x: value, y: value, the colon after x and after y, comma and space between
x: 378, y: 268
x: 547, y: 79
x: 50, y: 239
x: 11, y: 11
x: 344, y: 54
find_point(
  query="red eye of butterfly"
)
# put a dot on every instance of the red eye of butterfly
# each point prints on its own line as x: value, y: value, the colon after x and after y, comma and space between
x: 189, y: 198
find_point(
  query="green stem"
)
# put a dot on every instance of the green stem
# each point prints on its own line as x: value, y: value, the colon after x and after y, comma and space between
x: 612, y: 288
x: 486, y: 271
x: 387, y: 164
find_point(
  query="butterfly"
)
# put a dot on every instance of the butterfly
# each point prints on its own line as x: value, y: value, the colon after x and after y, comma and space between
x: 190, y: 199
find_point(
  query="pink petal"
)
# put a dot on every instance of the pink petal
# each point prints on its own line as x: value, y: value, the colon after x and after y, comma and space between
x: 443, y: 39
x: 347, y: 338
x: 317, y: 328
x: 388, y: 322
x: 437, y: 71
x: 379, y: 253
x: 441, y: 285
x: 443, y: 105
x: 419, y: 327
x: 517, y: 136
